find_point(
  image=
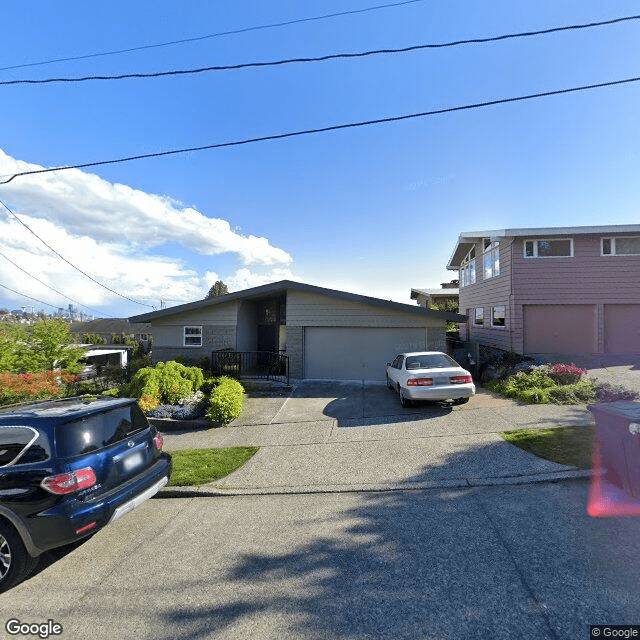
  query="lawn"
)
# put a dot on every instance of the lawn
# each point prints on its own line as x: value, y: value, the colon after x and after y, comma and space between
x: 192, y: 467
x: 564, y: 445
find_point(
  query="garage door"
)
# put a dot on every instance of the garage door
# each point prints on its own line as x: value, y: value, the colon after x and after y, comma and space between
x: 354, y: 353
x: 552, y: 328
x: 622, y: 328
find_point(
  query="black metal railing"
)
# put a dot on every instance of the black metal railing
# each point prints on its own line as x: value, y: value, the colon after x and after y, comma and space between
x: 263, y: 365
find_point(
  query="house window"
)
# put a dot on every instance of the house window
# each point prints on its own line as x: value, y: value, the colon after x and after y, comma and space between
x: 625, y: 246
x: 548, y: 248
x: 478, y: 315
x: 498, y: 316
x: 193, y: 336
x: 468, y: 268
x: 491, y: 258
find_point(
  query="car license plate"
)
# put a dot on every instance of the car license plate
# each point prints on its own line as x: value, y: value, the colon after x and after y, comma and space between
x: 132, y: 461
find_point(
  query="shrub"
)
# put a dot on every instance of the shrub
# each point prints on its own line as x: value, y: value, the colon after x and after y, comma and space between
x: 169, y: 382
x: 148, y: 403
x: 579, y: 392
x: 42, y: 385
x: 226, y: 401
x: 606, y: 392
x: 566, y: 373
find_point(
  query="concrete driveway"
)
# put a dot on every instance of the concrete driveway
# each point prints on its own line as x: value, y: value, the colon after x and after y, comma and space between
x: 354, y: 436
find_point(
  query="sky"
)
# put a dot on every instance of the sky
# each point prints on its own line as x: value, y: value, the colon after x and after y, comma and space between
x: 373, y: 210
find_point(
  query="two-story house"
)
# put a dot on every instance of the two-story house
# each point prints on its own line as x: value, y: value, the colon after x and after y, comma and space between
x: 558, y: 290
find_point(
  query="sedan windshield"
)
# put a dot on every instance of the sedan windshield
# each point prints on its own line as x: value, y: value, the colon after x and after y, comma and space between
x: 430, y: 361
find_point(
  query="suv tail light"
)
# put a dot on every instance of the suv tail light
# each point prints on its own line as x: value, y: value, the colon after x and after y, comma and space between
x: 419, y: 382
x: 158, y: 441
x: 460, y: 379
x: 64, y: 483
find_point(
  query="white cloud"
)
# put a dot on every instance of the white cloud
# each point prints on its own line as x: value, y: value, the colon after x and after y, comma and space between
x: 245, y: 278
x: 85, y: 204
x: 115, y: 234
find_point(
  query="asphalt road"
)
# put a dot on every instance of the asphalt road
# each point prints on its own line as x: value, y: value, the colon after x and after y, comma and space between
x: 492, y: 563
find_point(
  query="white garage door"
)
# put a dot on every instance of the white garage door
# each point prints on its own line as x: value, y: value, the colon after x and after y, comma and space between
x: 355, y: 353
x: 554, y: 328
x: 622, y: 328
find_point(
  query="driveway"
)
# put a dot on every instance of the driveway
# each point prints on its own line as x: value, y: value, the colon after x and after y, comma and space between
x: 354, y: 436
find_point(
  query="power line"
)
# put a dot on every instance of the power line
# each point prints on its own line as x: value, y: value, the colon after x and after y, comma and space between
x: 323, y: 58
x: 104, y: 286
x: 216, y: 35
x: 49, y: 286
x: 335, y: 127
x: 24, y: 295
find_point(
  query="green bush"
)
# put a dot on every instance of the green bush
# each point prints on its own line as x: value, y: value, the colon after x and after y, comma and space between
x: 168, y: 382
x: 226, y: 402
x: 577, y: 393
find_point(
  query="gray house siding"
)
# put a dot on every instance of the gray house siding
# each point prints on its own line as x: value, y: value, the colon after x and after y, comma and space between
x: 307, y: 309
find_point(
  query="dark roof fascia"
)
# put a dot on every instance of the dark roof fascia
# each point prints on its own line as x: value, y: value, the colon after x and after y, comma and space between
x: 285, y: 285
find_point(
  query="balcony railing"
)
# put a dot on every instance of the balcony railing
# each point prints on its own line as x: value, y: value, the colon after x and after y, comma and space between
x: 261, y: 365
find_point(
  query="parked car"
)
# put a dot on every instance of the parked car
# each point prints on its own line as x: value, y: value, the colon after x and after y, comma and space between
x: 429, y: 375
x: 69, y: 467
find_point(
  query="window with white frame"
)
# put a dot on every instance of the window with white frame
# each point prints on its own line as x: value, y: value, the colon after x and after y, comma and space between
x: 621, y: 246
x: 490, y: 258
x: 478, y: 316
x: 556, y: 248
x: 498, y: 316
x: 468, y: 268
x: 192, y: 336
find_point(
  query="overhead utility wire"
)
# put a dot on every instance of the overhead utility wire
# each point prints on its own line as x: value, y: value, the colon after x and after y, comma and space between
x: 335, y: 127
x: 104, y: 286
x: 323, y: 58
x: 24, y: 295
x: 17, y: 266
x: 217, y: 35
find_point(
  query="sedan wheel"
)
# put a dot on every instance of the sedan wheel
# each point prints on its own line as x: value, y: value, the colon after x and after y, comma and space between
x: 404, y: 401
x: 389, y: 384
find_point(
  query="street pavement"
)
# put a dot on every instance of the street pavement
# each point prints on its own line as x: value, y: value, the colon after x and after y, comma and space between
x: 418, y: 523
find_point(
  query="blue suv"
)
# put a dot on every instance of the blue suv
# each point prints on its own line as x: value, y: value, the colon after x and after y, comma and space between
x: 69, y: 467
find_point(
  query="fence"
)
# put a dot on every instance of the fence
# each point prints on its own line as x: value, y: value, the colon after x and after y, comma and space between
x: 262, y: 365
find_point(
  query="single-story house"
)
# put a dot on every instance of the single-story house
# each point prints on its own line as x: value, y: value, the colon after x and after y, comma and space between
x: 326, y: 334
x: 553, y: 290
x: 429, y: 297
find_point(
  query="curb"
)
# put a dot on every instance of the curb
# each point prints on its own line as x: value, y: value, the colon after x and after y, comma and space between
x: 216, y: 490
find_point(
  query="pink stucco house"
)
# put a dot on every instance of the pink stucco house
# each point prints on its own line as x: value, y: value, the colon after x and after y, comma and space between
x: 558, y: 290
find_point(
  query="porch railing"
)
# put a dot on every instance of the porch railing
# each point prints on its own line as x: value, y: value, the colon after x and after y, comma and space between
x: 262, y: 365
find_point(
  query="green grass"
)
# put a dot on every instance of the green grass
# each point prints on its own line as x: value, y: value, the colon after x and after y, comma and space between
x: 192, y: 467
x: 564, y: 445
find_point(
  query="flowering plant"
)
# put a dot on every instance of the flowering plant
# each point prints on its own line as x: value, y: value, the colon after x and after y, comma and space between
x: 18, y: 387
x: 566, y: 373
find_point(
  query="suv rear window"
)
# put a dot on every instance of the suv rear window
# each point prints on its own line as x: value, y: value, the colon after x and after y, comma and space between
x: 99, y: 430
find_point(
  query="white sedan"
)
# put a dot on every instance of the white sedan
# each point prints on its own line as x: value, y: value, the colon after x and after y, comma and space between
x: 429, y: 375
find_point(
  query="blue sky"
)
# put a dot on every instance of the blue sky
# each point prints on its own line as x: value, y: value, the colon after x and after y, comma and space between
x: 374, y: 210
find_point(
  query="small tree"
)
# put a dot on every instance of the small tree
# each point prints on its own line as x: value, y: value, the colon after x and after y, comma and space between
x: 219, y: 288
x: 47, y: 344
x: 92, y: 338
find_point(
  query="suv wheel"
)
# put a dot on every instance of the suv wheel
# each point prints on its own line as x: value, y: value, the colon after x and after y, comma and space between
x: 15, y: 563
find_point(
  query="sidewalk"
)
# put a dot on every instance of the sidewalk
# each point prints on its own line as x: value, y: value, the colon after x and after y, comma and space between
x: 304, y: 449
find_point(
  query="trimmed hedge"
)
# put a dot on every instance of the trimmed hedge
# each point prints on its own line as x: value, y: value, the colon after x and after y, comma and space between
x: 227, y: 401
